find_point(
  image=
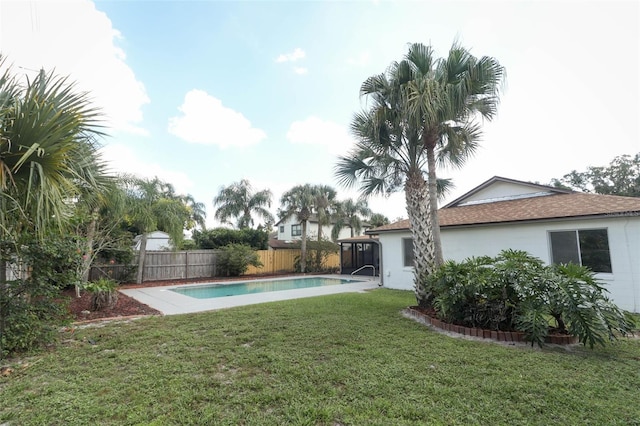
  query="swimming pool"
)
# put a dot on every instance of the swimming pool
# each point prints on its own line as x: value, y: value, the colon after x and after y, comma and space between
x: 210, y: 291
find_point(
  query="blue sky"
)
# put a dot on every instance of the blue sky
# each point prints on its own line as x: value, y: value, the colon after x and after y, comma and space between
x: 203, y: 94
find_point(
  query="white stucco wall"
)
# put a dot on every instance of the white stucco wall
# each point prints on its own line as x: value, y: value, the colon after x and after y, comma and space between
x: 312, y: 230
x: 459, y: 243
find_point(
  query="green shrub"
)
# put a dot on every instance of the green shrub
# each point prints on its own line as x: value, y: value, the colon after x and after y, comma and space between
x: 318, y: 253
x: 31, y: 308
x: 516, y: 291
x: 221, y: 237
x: 234, y: 260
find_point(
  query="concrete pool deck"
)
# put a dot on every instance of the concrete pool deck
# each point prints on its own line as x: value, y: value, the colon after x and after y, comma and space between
x: 171, y: 303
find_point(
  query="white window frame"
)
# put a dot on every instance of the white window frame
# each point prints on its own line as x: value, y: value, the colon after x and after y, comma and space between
x: 404, y: 253
x: 579, y: 248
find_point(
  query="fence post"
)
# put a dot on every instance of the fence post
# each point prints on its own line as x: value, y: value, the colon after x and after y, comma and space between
x: 186, y: 264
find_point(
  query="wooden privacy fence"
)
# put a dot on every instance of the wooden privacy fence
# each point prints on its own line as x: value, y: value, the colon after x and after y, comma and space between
x: 163, y: 265
x: 178, y: 265
x: 193, y: 264
x: 280, y: 261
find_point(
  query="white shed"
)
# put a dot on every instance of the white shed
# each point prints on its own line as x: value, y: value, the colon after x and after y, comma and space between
x: 555, y: 225
x: 156, y: 240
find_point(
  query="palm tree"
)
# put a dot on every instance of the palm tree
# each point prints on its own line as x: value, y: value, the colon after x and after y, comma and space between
x: 98, y: 215
x: 151, y: 208
x: 48, y: 154
x: 350, y: 213
x: 197, y: 211
x: 445, y: 96
x: 48, y: 150
x: 423, y: 113
x: 378, y: 219
x: 299, y: 202
x: 324, y: 205
x: 239, y: 201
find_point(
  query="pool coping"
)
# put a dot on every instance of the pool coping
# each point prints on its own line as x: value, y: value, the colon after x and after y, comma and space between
x: 171, y: 303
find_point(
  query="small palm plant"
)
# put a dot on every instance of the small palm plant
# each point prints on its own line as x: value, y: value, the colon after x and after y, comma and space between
x: 104, y: 293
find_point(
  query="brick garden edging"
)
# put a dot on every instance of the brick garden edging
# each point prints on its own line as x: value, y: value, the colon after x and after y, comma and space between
x: 498, y: 336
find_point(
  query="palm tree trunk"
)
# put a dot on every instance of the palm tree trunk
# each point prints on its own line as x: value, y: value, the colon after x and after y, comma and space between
x: 303, y: 248
x: 433, y: 203
x: 318, y: 251
x: 91, y: 234
x: 417, y: 198
x: 141, y: 255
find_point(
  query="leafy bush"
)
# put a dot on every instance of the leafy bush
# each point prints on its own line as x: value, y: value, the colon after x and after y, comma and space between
x: 516, y: 291
x: 104, y: 293
x: 234, y: 260
x: 118, y: 255
x: 318, y: 253
x: 122, y: 258
x: 221, y: 237
x: 30, y: 305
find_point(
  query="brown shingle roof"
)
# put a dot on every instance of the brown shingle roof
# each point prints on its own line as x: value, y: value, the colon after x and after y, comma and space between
x: 555, y: 206
x: 281, y: 244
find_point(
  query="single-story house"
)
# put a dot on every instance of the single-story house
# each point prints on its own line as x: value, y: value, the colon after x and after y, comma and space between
x: 156, y: 240
x: 553, y: 224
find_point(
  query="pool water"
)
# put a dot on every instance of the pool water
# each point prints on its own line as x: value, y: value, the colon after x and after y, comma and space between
x: 223, y: 290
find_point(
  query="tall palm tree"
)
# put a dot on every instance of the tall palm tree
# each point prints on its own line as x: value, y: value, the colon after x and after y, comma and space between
x: 48, y: 153
x: 150, y: 208
x: 444, y: 97
x: 299, y: 202
x: 423, y: 113
x: 197, y: 211
x: 238, y: 201
x: 350, y: 213
x: 324, y: 205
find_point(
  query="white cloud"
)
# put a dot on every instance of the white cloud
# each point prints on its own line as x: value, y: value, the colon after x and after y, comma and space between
x: 76, y: 40
x: 205, y: 120
x: 123, y: 159
x: 300, y: 70
x: 292, y: 56
x: 315, y: 131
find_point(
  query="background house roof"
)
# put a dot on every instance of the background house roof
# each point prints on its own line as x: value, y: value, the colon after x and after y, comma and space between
x: 282, y: 244
x: 531, y: 189
x: 557, y: 206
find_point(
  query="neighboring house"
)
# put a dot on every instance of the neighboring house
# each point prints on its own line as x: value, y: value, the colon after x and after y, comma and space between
x: 555, y: 225
x: 156, y: 240
x: 289, y: 232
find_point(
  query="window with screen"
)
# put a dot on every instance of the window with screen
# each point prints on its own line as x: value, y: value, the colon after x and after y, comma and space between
x: 407, y: 251
x: 586, y: 247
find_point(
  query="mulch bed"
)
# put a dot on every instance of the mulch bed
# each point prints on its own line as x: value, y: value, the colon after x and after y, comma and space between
x: 80, y: 308
x: 126, y: 306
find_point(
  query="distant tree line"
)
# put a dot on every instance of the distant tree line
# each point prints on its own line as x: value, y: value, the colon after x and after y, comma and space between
x: 620, y: 177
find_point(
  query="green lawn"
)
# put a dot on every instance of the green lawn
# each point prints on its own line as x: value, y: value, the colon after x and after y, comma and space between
x: 348, y: 359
